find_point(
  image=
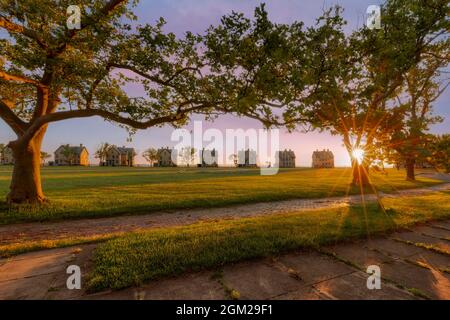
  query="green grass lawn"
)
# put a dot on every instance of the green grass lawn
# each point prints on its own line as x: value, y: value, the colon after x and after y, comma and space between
x: 77, y: 192
x: 138, y: 257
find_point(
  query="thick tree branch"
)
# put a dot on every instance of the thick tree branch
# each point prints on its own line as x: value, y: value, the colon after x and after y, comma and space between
x: 86, y: 113
x: 21, y: 79
x: 42, y: 90
x: 15, y: 28
x: 11, y: 118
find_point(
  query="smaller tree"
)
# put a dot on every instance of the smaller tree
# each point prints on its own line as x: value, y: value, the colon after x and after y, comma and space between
x: 423, y: 86
x: 359, y: 75
x: 151, y: 156
x: 234, y: 157
x: 187, y: 155
x: 44, y: 156
x: 440, y: 147
x: 102, y: 152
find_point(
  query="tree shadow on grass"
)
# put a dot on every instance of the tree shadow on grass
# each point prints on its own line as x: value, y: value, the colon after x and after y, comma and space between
x: 368, y: 220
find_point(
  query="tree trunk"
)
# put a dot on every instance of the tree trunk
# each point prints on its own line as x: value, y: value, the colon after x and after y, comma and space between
x: 360, y: 174
x: 410, y: 166
x: 26, y: 178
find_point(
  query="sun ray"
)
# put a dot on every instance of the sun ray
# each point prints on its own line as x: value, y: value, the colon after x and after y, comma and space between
x: 338, y: 180
x: 363, y: 201
x: 358, y: 154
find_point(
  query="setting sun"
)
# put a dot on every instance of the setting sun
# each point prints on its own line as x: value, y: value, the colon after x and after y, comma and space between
x: 358, y: 155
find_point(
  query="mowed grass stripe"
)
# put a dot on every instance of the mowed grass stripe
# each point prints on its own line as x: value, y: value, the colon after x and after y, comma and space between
x: 133, y: 259
x: 101, y: 192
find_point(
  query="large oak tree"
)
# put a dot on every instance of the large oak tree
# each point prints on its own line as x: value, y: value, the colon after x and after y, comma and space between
x: 50, y: 73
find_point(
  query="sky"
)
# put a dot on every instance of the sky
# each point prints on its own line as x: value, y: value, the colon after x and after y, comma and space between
x: 196, y: 16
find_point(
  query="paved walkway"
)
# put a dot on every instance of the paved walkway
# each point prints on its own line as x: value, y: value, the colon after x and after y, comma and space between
x: 414, y: 265
x: 21, y: 233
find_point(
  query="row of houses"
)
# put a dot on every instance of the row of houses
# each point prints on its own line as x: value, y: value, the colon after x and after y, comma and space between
x: 244, y: 158
x: 67, y: 155
x: 248, y: 158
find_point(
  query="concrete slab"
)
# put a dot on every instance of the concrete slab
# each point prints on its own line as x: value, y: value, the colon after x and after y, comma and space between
x: 442, y: 224
x: 358, y: 253
x: 434, y: 284
x: 18, y: 269
x: 304, y: 293
x: 434, y: 232
x: 313, y: 267
x: 259, y: 281
x: 197, y: 286
x: 435, y: 260
x: 393, y: 248
x: 58, y: 289
x: 43, y: 275
x: 417, y: 237
x: 26, y: 288
x: 354, y: 287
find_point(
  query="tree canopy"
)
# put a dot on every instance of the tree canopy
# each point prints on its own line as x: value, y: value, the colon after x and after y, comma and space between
x: 151, y: 156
